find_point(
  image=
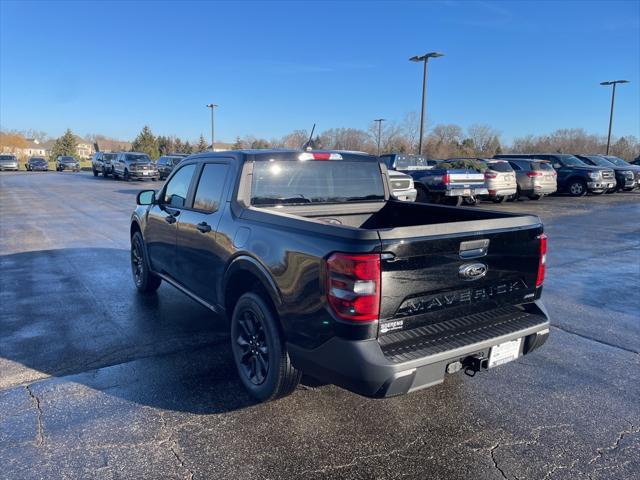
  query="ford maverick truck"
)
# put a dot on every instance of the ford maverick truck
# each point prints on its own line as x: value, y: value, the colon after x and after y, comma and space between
x: 319, y: 270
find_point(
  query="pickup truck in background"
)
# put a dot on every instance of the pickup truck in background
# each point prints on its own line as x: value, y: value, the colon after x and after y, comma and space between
x: 320, y: 271
x: 438, y: 183
x: 402, y: 187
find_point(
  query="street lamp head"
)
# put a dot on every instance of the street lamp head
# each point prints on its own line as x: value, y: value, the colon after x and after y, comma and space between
x: 211, y: 105
x: 380, y: 120
x: 426, y: 56
x: 613, y: 82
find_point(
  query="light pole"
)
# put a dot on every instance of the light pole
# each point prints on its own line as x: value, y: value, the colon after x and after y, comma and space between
x: 424, y: 58
x: 212, y: 106
x: 613, y: 98
x: 379, y: 120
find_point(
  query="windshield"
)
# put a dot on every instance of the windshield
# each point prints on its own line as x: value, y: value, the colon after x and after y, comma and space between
x: 616, y: 161
x: 536, y: 166
x: 405, y: 162
x: 599, y: 161
x: 296, y: 182
x: 500, y: 167
x: 571, y: 161
x: 138, y: 158
x: 37, y: 160
x: 68, y: 159
x: 109, y: 156
x: 7, y: 158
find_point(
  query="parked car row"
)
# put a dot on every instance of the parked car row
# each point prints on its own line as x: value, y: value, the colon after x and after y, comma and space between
x: 512, y: 176
x: 134, y: 165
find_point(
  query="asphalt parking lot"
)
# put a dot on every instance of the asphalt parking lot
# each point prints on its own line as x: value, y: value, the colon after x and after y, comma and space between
x: 99, y: 382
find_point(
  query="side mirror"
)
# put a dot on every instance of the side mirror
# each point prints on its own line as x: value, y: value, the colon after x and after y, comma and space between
x: 146, y: 197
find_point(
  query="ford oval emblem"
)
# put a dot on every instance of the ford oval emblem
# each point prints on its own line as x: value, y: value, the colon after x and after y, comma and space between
x: 473, y: 271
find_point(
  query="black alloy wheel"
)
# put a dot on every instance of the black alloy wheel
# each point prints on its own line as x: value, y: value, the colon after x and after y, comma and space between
x: 259, y: 349
x: 254, y: 359
x: 145, y: 281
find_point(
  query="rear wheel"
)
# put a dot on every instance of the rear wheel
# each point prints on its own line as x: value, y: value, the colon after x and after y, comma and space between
x: 423, y: 196
x: 534, y: 197
x: 144, y: 279
x: 259, y: 350
x: 452, y: 201
x: 499, y: 199
x: 577, y: 188
x: 471, y: 201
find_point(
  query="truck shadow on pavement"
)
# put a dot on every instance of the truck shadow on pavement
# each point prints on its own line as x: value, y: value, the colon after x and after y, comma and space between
x: 74, y: 313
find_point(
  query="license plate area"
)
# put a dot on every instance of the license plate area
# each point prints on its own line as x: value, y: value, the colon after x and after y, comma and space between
x: 504, y: 353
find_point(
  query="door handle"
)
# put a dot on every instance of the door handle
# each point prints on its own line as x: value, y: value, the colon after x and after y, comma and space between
x: 204, y: 227
x: 170, y: 219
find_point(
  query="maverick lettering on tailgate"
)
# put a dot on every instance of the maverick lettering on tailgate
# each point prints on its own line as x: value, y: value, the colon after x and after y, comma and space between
x: 431, y: 303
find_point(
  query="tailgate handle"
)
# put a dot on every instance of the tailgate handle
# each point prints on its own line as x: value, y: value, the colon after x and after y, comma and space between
x: 474, y: 248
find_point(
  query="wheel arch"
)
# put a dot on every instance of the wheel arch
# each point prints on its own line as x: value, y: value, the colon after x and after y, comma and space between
x: 246, y: 274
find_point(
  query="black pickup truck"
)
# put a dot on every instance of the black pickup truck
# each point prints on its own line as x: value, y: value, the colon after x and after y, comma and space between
x: 319, y: 271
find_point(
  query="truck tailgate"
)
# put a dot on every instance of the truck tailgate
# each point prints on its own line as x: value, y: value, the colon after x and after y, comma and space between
x: 457, y: 275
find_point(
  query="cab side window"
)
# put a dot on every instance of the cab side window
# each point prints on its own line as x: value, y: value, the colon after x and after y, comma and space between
x: 175, y: 193
x: 210, y: 186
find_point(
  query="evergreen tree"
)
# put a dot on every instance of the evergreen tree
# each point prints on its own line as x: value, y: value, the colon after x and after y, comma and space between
x: 202, y: 144
x: 187, y: 148
x: 65, y: 145
x: 239, y: 145
x: 146, y: 142
x: 165, y: 145
x: 177, y: 146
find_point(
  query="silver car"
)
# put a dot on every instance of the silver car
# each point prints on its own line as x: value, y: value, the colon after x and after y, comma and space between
x: 500, y: 180
x: 9, y: 162
x: 402, y: 187
x: 536, y: 178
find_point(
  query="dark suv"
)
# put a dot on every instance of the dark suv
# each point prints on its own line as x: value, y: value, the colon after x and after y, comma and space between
x: 625, y: 178
x: 102, y: 162
x: 574, y: 176
x: 64, y: 162
x: 166, y: 163
x: 134, y: 165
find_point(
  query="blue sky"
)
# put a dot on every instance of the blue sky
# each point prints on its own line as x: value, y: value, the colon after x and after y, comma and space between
x: 111, y: 67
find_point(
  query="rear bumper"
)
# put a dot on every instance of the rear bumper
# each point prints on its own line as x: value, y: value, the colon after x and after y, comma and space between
x: 363, y: 368
x: 544, y: 189
x: 466, y: 192
x: 502, y: 192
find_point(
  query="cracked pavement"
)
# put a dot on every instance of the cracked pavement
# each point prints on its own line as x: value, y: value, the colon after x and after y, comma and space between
x: 98, y: 382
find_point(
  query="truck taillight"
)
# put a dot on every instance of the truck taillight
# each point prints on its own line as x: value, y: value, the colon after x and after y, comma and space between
x: 353, y: 286
x: 446, y: 179
x: 542, y: 261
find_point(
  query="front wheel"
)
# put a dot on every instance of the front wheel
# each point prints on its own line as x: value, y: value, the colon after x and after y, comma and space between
x: 577, y: 188
x: 144, y: 279
x: 126, y: 177
x: 95, y: 172
x: 612, y: 190
x: 259, y: 350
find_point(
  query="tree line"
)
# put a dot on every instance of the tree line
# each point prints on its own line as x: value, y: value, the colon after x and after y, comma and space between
x: 441, y: 141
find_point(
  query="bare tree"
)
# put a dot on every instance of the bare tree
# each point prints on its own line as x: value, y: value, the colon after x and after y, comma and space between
x: 483, y: 137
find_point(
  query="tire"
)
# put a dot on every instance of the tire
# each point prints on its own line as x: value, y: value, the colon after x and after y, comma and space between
x: 104, y: 172
x: 451, y: 201
x: 259, y: 350
x: 126, y: 177
x: 115, y: 175
x: 144, y: 280
x: 95, y: 172
x: 577, y: 188
x: 534, y: 197
x: 500, y: 199
x: 423, y: 196
x: 612, y: 190
x: 470, y: 201
x: 598, y: 193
